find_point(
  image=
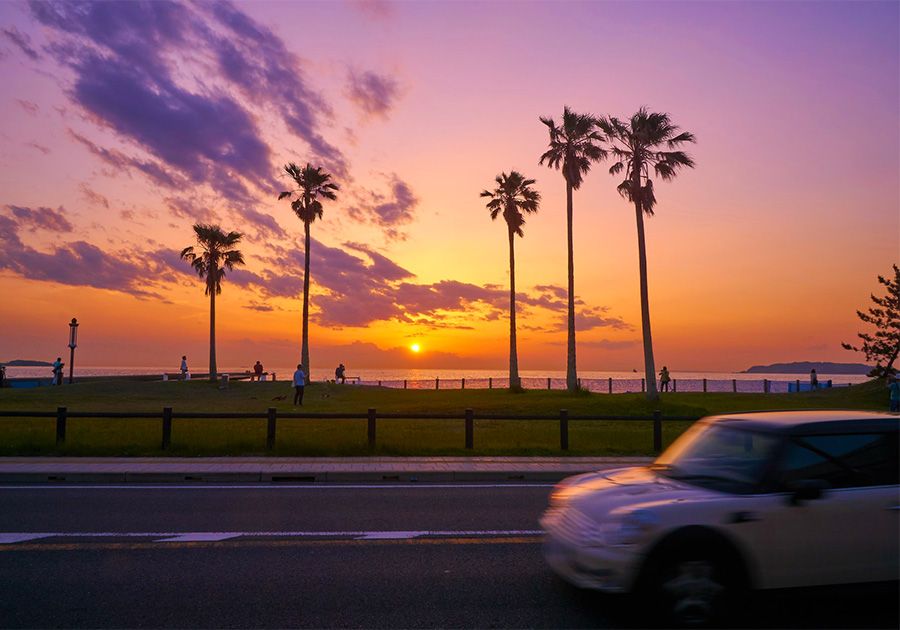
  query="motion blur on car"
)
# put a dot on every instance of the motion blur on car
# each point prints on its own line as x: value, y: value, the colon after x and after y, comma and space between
x: 738, y: 502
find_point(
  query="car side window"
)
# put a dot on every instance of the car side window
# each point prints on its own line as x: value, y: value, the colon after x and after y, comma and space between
x: 850, y: 460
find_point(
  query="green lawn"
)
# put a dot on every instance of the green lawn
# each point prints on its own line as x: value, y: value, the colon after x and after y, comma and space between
x: 349, y: 437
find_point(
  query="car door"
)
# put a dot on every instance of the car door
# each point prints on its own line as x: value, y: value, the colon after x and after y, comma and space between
x: 849, y: 533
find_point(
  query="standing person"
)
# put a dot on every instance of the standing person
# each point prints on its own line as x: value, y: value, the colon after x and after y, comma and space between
x: 813, y: 380
x: 339, y: 374
x: 2, y: 376
x: 894, y: 386
x: 664, y: 379
x: 299, y: 382
x: 258, y: 371
x: 57, y: 371
x: 184, y: 368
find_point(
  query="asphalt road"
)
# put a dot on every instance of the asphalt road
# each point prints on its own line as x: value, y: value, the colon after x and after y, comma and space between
x: 442, y: 555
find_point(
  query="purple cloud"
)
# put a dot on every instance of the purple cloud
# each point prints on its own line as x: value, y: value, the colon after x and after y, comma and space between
x: 128, y: 59
x: 93, y: 196
x: 375, y: 9
x: 39, y: 219
x: 388, y: 211
x: 23, y: 41
x: 122, y: 162
x: 29, y: 106
x: 38, y: 147
x: 371, y: 93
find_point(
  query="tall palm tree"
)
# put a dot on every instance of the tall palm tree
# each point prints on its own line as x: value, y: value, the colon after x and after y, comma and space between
x: 312, y: 184
x: 210, y: 264
x: 574, y: 145
x: 648, y: 140
x: 512, y: 197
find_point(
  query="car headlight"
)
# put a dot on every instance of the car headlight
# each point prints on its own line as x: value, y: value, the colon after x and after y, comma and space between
x: 620, y: 531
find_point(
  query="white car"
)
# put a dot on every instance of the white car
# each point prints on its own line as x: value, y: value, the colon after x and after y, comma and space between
x: 750, y: 500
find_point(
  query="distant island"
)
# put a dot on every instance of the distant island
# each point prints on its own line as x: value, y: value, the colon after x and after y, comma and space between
x: 804, y: 367
x: 26, y: 363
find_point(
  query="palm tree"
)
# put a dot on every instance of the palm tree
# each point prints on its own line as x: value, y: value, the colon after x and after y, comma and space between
x: 312, y: 184
x: 217, y: 256
x: 648, y: 139
x: 512, y: 197
x: 574, y: 145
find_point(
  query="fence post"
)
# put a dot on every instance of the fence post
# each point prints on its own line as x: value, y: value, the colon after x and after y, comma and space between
x: 371, y: 428
x: 674, y: 385
x: 704, y: 386
x: 657, y: 431
x: 270, y: 429
x: 490, y: 382
x: 734, y: 385
x: 167, y: 427
x: 437, y: 383
x: 548, y: 382
x: 463, y: 383
x: 610, y: 384
x: 643, y: 385
x: 564, y: 429
x: 61, y: 413
x: 470, y: 429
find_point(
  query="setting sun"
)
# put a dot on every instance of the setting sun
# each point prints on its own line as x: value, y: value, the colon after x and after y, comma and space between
x: 415, y: 347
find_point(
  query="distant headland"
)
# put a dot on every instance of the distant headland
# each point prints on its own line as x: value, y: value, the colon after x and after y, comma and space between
x: 804, y: 367
x: 26, y: 363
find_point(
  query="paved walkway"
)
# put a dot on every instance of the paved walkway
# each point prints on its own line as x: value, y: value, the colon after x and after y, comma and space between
x: 274, y: 469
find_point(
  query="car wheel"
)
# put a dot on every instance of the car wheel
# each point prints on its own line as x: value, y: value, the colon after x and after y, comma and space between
x: 692, y: 589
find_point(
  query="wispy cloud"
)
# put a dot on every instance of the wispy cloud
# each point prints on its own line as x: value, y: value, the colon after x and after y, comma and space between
x: 373, y: 94
x: 22, y: 41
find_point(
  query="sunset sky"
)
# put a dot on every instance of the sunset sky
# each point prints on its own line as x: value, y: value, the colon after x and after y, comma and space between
x: 122, y: 124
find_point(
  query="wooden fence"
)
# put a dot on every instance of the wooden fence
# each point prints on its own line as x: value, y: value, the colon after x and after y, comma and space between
x: 271, y: 415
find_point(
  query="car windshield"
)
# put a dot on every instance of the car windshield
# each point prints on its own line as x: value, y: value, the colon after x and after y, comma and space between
x: 718, y: 456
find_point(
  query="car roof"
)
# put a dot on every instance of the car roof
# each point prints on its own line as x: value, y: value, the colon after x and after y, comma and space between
x: 812, y: 421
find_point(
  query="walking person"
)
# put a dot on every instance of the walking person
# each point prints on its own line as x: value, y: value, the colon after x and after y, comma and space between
x: 184, y: 368
x: 257, y: 371
x: 894, y: 386
x: 299, y: 383
x: 58, y: 371
x: 813, y: 380
x: 664, y: 379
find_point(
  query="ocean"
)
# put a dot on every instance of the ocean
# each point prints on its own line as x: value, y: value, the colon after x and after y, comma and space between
x: 597, y: 381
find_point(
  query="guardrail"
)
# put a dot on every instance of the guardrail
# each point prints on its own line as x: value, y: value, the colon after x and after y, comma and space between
x: 271, y: 415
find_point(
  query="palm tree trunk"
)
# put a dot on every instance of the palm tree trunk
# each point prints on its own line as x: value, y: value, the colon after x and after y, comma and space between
x: 212, y: 326
x: 571, y: 373
x: 649, y: 366
x: 304, y: 346
x: 513, y: 354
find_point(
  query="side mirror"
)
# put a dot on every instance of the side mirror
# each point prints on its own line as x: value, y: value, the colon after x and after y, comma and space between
x: 807, y: 490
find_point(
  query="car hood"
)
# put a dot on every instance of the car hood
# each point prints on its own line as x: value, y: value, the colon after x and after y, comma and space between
x: 606, y: 490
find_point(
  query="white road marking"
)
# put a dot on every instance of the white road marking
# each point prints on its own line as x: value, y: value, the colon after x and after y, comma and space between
x: 320, y: 485
x: 15, y: 537
x: 8, y: 539
x: 200, y: 537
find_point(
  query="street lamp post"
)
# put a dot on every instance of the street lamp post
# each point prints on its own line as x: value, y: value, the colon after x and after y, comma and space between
x: 73, y: 342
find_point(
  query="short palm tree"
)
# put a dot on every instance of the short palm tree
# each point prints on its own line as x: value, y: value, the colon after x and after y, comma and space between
x: 512, y: 196
x: 648, y: 140
x: 574, y: 145
x: 210, y: 264
x: 313, y: 184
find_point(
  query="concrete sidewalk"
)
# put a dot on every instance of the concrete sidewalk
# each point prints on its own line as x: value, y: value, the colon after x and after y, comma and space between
x: 299, y: 469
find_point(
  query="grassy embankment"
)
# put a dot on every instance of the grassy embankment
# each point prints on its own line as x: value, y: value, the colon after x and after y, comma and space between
x: 348, y: 437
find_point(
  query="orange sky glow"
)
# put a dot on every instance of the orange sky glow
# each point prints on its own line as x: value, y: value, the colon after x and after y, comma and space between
x: 111, y: 149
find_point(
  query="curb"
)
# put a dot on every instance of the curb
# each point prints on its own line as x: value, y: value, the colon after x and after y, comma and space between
x: 288, y: 477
